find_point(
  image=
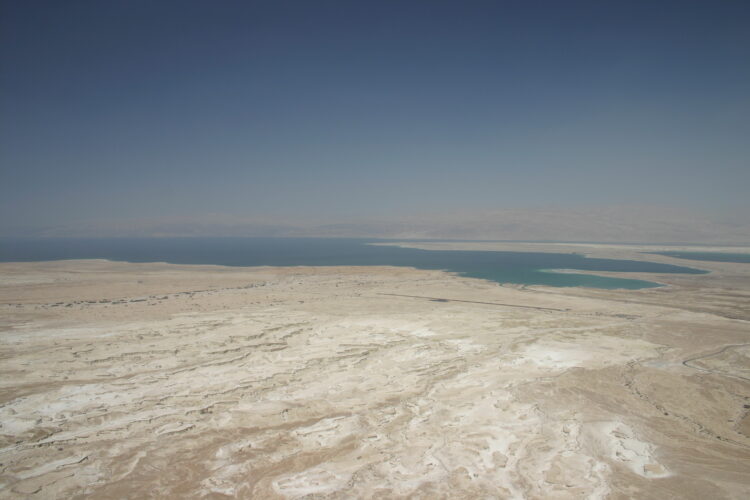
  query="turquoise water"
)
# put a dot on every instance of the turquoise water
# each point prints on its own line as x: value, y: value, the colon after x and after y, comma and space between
x: 709, y: 256
x: 526, y: 268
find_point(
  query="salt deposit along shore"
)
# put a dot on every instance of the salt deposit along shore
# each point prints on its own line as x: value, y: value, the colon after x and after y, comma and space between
x: 123, y: 380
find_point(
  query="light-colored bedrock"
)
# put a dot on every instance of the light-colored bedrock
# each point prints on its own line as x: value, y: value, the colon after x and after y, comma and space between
x: 138, y: 380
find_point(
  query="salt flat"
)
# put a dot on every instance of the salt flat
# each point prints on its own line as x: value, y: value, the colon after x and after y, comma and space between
x: 155, y: 380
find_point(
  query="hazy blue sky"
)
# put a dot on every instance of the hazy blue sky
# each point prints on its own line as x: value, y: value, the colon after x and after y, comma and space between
x: 140, y: 108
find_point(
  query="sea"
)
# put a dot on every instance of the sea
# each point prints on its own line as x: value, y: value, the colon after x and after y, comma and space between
x: 520, y: 268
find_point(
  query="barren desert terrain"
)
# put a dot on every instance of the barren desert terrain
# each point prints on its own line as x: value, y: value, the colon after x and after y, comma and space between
x: 124, y: 380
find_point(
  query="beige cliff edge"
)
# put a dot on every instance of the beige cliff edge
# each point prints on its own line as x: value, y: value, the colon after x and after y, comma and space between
x: 122, y: 380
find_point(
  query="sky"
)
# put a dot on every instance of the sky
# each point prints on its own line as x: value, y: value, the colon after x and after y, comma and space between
x: 297, y: 109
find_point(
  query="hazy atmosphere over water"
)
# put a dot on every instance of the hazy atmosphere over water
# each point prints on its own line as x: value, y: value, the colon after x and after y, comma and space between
x: 510, y: 120
x: 375, y: 249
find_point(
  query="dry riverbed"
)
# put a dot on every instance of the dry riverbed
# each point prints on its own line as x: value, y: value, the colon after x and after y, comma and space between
x: 154, y: 380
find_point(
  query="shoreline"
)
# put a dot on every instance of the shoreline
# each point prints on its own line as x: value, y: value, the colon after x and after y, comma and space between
x: 275, y: 252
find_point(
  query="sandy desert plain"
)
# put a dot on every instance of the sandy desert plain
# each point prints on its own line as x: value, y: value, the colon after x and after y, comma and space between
x: 122, y: 380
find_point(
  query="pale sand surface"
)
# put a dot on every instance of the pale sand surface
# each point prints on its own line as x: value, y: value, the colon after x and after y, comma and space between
x: 603, y: 250
x: 154, y: 380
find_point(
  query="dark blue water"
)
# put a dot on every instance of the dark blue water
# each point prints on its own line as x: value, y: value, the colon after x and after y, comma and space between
x: 502, y: 267
x: 709, y: 256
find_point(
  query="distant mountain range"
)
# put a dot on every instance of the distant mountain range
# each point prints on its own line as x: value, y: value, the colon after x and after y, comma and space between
x: 603, y: 224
